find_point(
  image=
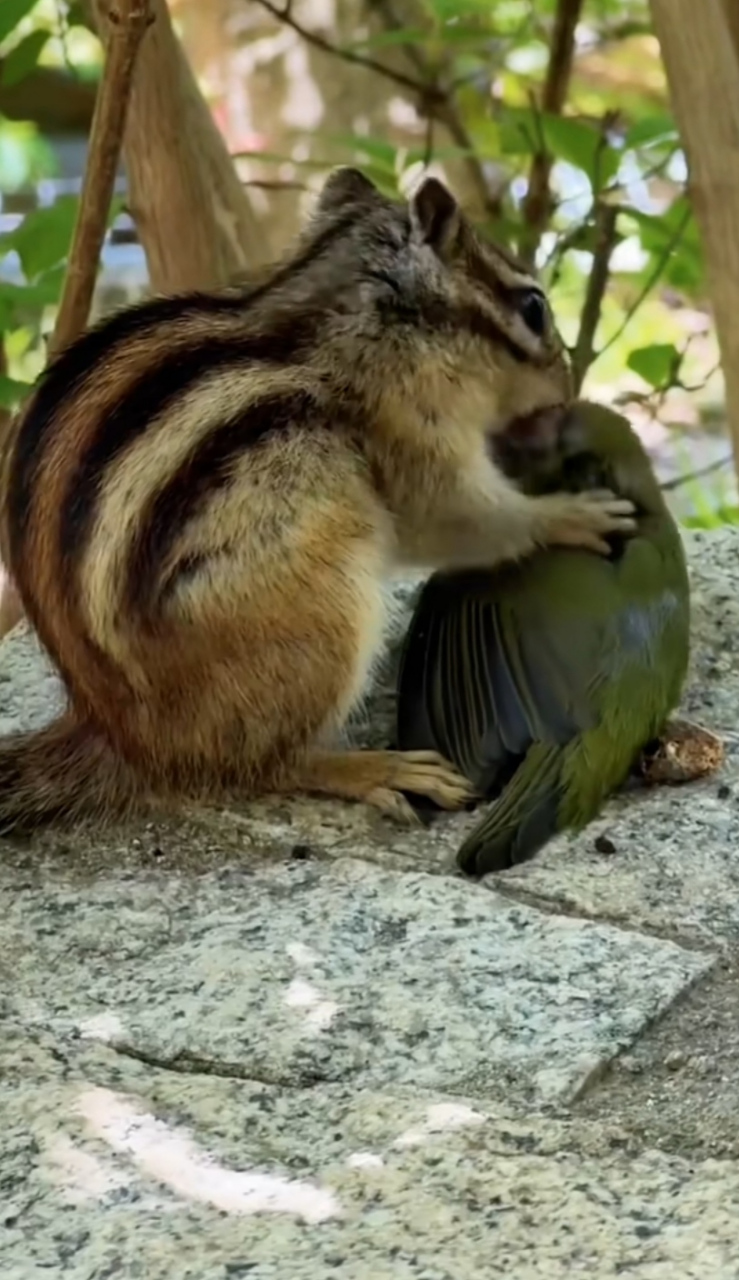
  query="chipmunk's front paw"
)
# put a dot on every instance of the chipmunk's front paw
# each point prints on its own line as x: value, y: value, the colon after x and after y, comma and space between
x: 586, y: 519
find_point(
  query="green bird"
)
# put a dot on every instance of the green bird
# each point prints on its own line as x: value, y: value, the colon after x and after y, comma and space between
x: 544, y: 680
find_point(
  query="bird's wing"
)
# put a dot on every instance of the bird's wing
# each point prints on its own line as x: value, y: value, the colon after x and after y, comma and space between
x: 492, y: 665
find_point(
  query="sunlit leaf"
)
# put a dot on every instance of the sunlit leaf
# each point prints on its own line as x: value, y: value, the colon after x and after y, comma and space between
x: 524, y: 131
x: 23, y: 58
x: 672, y: 238
x: 582, y: 146
x: 43, y: 238
x: 18, y: 300
x: 652, y: 129
x: 11, y: 13
x: 656, y: 364
x: 382, y: 154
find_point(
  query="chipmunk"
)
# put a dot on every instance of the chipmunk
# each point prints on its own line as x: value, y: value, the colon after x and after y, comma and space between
x: 205, y: 495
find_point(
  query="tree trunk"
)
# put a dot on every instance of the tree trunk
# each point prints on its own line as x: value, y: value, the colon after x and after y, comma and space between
x: 703, y: 75
x: 193, y: 216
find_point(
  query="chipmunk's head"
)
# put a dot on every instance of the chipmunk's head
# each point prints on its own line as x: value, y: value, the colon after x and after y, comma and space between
x: 417, y: 272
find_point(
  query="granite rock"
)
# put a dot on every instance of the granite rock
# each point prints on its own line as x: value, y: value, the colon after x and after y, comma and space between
x: 114, y: 1170
x: 283, y: 1041
x: 304, y: 974
x: 674, y: 866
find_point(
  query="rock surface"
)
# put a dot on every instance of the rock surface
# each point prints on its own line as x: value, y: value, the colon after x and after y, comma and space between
x: 285, y: 1042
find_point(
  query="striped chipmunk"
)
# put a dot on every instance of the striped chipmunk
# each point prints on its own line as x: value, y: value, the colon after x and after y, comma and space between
x: 205, y: 495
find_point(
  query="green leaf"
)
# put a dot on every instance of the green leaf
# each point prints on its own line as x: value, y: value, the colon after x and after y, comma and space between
x: 17, y: 300
x: 673, y: 236
x: 44, y: 236
x: 447, y: 10
x: 23, y: 58
x: 582, y: 146
x: 12, y: 392
x: 76, y: 16
x: 656, y: 364
x: 523, y: 131
x: 518, y: 133
x: 11, y: 13
x: 382, y: 154
x: 652, y: 129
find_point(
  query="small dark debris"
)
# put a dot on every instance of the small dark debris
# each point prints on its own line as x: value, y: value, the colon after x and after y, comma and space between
x: 723, y: 792
x: 301, y: 852
x: 603, y: 844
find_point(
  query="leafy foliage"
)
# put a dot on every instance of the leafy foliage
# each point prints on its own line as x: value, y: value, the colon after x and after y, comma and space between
x: 540, y: 141
x: 33, y: 254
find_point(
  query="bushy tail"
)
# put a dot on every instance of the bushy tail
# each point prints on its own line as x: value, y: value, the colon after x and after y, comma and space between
x: 57, y: 774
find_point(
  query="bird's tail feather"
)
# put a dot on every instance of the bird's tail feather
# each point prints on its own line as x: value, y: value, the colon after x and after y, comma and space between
x: 521, y: 820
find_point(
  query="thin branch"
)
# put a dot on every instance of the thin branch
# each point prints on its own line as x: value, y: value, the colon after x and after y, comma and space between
x: 708, y: 470
x: 268, y: 184
x: 434, y: 101
x: 446, y: 113
x: 129, y: 21
x: 606, y: 218
x: 537, y: 204
x: 428, y: 93
x: 649, y: 284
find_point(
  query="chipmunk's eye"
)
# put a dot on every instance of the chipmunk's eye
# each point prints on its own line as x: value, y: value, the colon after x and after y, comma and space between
x: 532, y: 309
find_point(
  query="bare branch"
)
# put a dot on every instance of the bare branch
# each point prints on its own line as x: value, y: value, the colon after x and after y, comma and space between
x: 428, y: 93
x: 537, y: 204
x: 446, y: 113
x: 606, y: 218
x: 130, y: 20
x: 434, y: 101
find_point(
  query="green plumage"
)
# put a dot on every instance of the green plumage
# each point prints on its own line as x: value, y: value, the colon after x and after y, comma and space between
x: 542, y: 681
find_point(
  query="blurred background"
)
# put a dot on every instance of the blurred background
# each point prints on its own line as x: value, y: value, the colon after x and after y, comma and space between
x: 551, y: 121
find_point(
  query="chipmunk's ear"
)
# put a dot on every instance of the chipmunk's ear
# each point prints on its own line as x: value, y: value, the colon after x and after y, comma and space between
x: 344, y: 186
x: 435, y: 215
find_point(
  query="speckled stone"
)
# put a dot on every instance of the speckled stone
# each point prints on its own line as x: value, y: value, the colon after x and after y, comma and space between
x: 110, y: 1169
x: 304, y: 974
x: 281, y: 1042
x: 676, y: 860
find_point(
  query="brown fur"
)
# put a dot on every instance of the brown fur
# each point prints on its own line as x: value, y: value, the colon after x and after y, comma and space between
x: 205, y: 496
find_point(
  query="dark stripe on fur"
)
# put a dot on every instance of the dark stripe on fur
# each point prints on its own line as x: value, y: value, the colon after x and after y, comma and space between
x: 155, y: 394
x: 440, y: 317
x: 206, y: 470
x: 77, y: 365
x: 75, y: 368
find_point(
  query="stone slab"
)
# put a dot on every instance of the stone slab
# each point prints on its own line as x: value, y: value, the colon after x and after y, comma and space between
x: 304, y: 974
x: 676, y: 863
x: 110, y: 1169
